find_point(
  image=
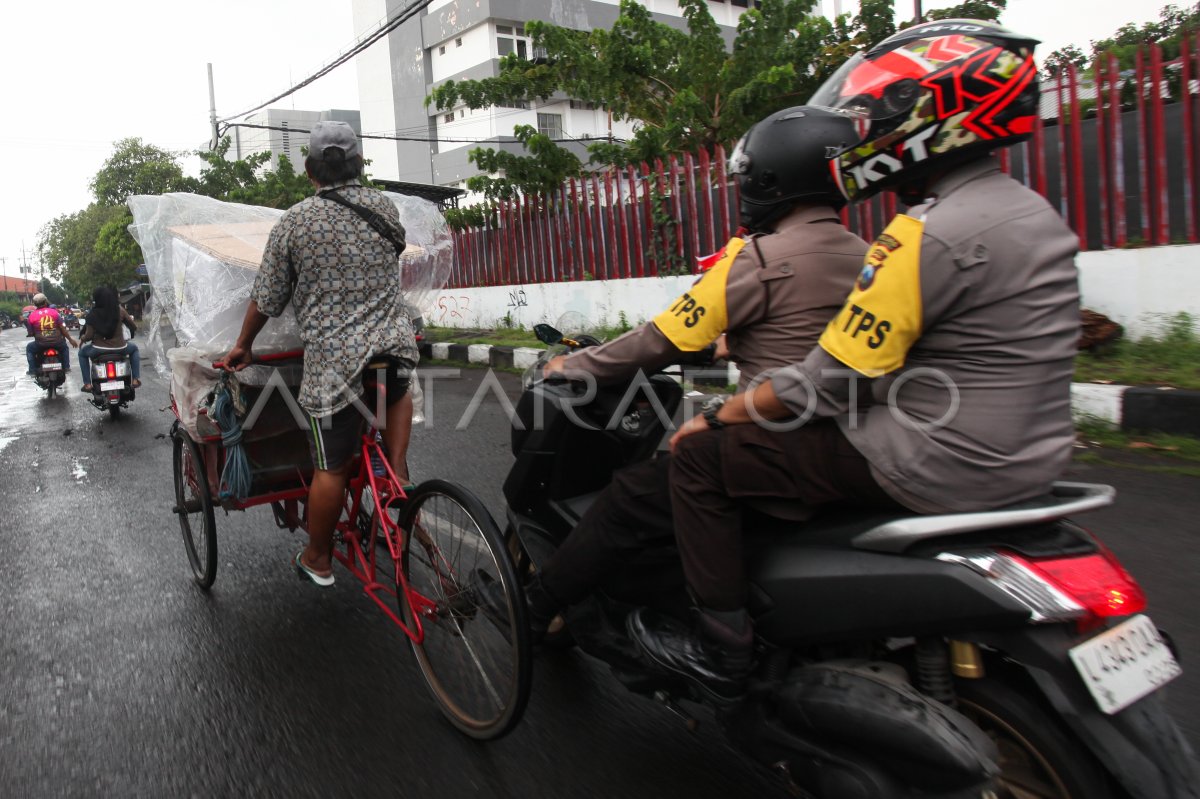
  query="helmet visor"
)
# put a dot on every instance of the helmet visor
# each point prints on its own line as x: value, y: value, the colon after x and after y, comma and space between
x: 874, y: 89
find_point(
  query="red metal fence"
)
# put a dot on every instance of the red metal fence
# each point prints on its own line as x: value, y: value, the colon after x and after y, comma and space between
x: 1114, y: 150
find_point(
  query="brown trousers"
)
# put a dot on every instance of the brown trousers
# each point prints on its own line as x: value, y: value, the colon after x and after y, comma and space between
x: 716, y: 472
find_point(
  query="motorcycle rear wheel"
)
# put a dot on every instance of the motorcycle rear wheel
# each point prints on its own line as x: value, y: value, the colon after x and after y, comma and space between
x: 114, y: 411
x: 1039, y: 759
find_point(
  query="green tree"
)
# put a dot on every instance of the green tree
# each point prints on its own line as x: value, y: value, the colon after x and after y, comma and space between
x: 685, y: 89
x: 81, y: 250
x: 970, y: 9
x: 138, y: 168
x: 54, y: 293
x: 247, y: 181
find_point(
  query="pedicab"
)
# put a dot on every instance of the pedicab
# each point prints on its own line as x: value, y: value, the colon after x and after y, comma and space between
x: 430, y: 558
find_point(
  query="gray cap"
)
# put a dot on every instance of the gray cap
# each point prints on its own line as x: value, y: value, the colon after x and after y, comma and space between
x: 332, y: 134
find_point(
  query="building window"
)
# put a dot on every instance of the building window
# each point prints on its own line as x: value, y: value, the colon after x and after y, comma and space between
x: 580, y: 105
x: 448, y: 117
x: 442, y: 50
x: 510, y: 39
x: 458, y: 42
x: 550, y: 125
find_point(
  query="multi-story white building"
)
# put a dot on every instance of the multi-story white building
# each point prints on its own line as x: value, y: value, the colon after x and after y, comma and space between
x: 282, y: 132
x: 464, y: 40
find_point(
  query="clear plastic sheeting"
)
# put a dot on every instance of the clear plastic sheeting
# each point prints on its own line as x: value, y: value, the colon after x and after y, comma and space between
x: 202, y: 256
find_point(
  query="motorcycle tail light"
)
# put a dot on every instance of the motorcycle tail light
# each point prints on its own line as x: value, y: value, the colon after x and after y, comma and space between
x: 1059, y: 589
x: 1097, y: 581
x: 110, y: 370
x: 50, y: 352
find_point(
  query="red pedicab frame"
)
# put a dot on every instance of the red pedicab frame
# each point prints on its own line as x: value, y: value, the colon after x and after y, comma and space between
x: 474, y: 655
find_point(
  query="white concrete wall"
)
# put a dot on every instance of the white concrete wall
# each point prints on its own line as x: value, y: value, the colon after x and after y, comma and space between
x: 478, y: 45
x: 1141, y: 288
x: 599, y: 301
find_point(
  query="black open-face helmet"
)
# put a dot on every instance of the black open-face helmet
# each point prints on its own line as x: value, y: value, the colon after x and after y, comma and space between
x: 784, y: 159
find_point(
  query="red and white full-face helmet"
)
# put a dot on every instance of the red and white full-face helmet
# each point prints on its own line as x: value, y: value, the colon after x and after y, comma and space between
x: 930, y: 96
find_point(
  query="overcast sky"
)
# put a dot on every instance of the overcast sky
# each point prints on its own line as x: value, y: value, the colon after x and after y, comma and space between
x: 79, y: 76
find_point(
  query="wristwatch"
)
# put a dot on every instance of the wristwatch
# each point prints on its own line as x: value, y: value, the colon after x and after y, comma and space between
x: 709, y: 411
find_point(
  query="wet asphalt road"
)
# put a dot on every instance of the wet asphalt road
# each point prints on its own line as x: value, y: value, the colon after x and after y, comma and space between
x: 121, y: 678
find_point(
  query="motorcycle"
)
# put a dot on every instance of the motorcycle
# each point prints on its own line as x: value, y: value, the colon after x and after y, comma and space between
x: 112, y: 379
x: 48, y: 370
x: 995, y: 655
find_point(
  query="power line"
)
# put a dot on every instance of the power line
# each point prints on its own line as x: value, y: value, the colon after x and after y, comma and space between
x: 418, y: 138
x: 403, y: 16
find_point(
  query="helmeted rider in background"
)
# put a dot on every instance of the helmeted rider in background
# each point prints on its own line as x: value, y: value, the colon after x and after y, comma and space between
x: 770, y: 294
x: 946, y: 376
x: 46, y: 326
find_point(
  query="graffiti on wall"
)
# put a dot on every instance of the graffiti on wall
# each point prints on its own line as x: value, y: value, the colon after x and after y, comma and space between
x: 452, y: 306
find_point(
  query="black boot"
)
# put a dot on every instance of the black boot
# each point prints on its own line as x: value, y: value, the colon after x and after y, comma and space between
x: 716, y: 656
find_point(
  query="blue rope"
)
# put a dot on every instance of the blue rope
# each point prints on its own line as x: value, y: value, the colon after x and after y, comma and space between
x: 235, y: 477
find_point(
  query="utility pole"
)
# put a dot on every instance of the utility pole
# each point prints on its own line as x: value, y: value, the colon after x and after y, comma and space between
x: 917, y: 13
x: 212, y: 111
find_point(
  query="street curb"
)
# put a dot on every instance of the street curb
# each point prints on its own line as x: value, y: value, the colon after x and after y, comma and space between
x: 1157, y: 409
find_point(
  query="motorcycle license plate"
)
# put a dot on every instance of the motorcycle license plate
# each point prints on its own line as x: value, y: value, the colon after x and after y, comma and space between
x: 51, y: 367
x: 113, y: 385
x: 1121, y: 665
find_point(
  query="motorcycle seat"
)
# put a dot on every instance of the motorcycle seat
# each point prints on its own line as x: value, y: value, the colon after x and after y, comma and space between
x: 895, y: 531
x: 1065, y: 499
x: 104, y: 355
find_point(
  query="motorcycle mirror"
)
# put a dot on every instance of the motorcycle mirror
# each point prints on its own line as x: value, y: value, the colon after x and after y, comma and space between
x: 547, y: 334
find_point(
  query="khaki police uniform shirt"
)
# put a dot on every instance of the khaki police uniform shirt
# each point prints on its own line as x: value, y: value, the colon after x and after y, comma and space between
x: 969, y: 304
x: 772, y: 294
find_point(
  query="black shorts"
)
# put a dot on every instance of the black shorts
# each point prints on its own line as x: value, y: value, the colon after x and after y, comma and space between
x: 334, y: 440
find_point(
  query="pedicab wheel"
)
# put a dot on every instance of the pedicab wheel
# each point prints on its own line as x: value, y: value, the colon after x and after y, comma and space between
x: 193, y: 506
x: 475, y: 657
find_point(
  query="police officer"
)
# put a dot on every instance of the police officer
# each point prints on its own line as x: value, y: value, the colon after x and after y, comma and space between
x: 771, y: 294
x: 968, y: 303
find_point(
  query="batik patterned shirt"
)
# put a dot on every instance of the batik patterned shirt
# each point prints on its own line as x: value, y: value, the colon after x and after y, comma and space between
x: 343, y: 279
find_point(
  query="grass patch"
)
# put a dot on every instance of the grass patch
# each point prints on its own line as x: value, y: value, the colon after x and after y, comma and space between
x: 1169, y: 359
x: 1099, y: 434
x: 503, y: 337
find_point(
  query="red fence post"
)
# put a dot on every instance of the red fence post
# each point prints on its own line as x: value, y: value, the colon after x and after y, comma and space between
x: 614, y: 254
x: 1039, y: 154
x: 636, y: 228
x: 1064, y: 190
x: 675, y: 208
x: 691, y: 213
x: 1143, y: 136
x: 705, y: 186
x: 1078, y: 196
x: 652, y: 257
x: 1158, y: 149
x: 1189, y: 144
x: 1099, y: 75
x: 1120, y: 201
x: 722, y: 193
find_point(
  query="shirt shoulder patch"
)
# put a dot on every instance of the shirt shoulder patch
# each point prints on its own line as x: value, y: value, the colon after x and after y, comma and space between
x: 882, y: 316
x: 699, y: 315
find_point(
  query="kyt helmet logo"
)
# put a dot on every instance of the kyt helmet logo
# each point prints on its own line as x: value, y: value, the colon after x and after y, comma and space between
x: 880, y: 166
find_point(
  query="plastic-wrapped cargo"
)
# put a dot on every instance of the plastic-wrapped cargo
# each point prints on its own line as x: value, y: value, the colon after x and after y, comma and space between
x: 202, y: 256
